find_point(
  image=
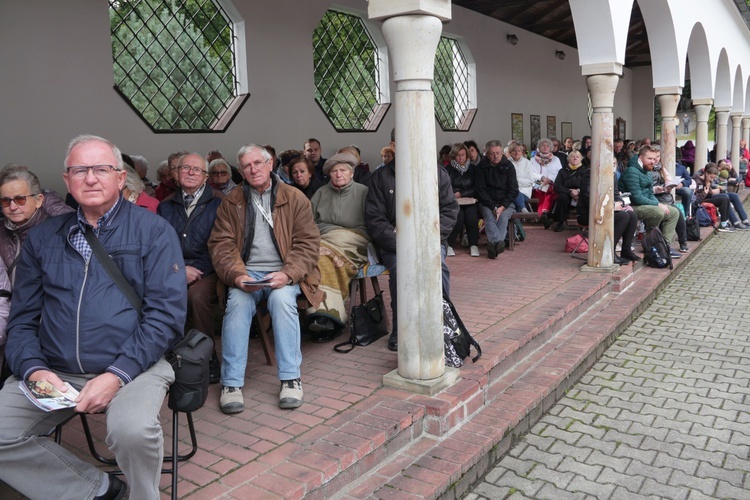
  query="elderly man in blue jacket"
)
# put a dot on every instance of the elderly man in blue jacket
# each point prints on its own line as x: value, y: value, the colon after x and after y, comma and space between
x: 70, y: 323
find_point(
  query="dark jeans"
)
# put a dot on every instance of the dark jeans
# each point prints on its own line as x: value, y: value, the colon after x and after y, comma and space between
x: 389, y: 261
x: 468, y: 216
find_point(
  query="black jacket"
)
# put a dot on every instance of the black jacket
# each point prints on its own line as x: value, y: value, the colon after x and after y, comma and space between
x: 496, y: 185
x: 463, y: 182
x: 380, y: 207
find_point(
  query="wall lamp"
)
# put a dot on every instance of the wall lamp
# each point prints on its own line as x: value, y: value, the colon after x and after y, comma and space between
x: 512, y: 39
x: 560, y: 54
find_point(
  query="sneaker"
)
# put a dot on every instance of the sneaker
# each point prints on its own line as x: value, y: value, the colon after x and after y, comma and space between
x: 451, y: 252
x: 291, y: 394
x: 491, y: 250
x: 500, y: 247
x: 474, y: 251
x: 741, y: 227
x: 465, y: 241
x: 231, y: 400
x: 684, y: 248
x: 725, y: 227
x: 746, y: 222
x: 674, y: 254
x: 320, y: 324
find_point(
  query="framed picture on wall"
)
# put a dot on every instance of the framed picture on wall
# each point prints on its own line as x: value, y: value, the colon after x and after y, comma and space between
x: 536, y: 130
x: 516, y: 126
x: 620, y: 129
x: 551, y: 127
x: 566, y: 130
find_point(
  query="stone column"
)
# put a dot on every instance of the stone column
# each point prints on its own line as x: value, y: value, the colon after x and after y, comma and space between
x: 412, y: 31
x: 735, y: 151
x: 722, y: 116
x: 702, y: 110
x: 601, y: 208
x: 746, y: 129
x: 669, y: 98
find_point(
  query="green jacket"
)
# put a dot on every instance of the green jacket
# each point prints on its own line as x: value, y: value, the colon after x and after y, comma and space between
x: 636, y: 181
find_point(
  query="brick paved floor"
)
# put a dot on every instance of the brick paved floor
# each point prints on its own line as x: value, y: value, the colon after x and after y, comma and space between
x: 664, y: 413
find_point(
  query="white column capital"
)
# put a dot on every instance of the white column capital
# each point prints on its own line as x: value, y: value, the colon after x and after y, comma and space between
x: 702, y: 111
x: 703, y: 102
x: 668, y: 90
x: 609, y: 68
x: 380, y: 10
x: 602, y: 91
x: 668, y: 103
x: 412, y: 40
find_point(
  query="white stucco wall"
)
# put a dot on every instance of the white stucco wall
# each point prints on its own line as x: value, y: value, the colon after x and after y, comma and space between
x: 57, y: 82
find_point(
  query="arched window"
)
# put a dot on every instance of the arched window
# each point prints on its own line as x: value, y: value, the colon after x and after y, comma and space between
x: 454, y: 85
x: 351, y: 68
x: 179, y: 64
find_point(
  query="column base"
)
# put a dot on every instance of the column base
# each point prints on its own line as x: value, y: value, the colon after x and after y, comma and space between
x: 425, y: 387
x: 589, y: 269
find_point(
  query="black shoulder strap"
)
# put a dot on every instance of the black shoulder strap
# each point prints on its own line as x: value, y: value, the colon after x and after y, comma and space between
x: 114, y: 272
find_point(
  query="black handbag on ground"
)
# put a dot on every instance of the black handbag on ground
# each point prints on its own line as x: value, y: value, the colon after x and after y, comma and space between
x: 367, y: 324
x: 189, y: 356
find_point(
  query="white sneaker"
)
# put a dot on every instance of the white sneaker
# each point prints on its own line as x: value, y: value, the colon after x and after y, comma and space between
x: 474, y: 251
x: 291, y: 394
x: 450, y: 252
x: 231, y: 400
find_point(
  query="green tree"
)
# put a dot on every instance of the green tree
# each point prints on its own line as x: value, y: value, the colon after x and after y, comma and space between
x: 346, y: 73
x: 173, y: 61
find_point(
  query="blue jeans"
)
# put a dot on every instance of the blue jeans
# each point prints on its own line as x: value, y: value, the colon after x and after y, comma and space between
x: 734, y: 199
x: 686, y: 195
x: 496, y: 229
x: 235, y: 336
x: 521, y: 201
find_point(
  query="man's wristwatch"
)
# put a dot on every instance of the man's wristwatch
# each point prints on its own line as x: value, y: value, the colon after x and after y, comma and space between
x: 290, y: 282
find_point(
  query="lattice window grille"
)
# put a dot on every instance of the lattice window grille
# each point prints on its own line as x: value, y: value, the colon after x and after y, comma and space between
x: 175, y: 62
x: 452, y: 86
x: 349, y: 68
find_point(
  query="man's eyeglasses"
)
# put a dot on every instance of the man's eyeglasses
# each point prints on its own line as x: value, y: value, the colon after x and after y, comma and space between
x: 19, y: 200
x: 100, y: 171
x: 187, y: 168
x: 219, y: 172
x: 255, y: 165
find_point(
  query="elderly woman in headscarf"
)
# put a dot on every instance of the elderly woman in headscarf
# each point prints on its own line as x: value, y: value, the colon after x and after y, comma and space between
x: 545, y: 164
x: 338, y: 208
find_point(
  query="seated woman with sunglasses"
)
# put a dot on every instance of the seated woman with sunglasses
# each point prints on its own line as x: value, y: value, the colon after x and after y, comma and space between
x: 21, y: 200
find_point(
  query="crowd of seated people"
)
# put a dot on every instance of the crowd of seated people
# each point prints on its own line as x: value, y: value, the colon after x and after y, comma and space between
x: 489, y: 183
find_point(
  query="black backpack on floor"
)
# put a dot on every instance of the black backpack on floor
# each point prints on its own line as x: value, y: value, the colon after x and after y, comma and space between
x: 656, y: 251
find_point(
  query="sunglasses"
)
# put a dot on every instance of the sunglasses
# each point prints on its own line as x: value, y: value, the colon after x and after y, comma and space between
x: 19, y: 200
